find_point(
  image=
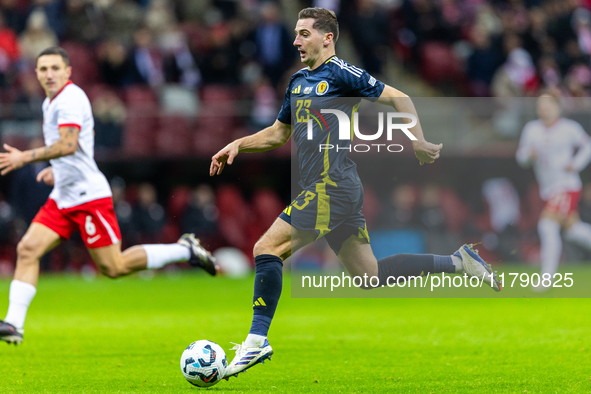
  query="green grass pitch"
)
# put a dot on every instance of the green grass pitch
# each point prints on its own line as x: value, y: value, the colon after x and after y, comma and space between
x: 127, y: 336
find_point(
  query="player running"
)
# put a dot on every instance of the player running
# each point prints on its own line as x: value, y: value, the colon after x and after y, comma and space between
x: 81, y: 198
x: 331, y: 202
x: 549, y: 144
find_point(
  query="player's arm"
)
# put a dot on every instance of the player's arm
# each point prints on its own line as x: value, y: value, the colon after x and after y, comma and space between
x: 14, y: 159
x: 583, y: 156
x: 526, y: 154
x: 272, y: 137
x: 425, y: 151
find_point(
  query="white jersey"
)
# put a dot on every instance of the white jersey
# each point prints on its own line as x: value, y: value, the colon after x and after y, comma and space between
x: 77, y: 177
x: 555, y: 148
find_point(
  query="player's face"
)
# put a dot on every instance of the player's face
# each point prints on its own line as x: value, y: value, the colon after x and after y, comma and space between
x: 548, y: 109
x: 52, y: 73
x: 309, y: 42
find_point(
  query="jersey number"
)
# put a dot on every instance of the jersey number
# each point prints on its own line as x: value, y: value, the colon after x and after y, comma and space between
x: 303, y: 104
x: 307, y: 198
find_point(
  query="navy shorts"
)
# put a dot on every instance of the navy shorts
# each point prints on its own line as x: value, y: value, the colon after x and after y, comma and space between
x: 333, y: 212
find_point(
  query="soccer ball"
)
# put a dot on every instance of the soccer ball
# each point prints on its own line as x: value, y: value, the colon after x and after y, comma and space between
x: 203, y: 363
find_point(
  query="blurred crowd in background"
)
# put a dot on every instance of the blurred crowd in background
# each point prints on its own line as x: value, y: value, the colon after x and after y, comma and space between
x: 179, y: 79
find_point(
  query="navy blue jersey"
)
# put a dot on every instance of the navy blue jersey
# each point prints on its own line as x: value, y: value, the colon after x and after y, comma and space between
x: 310, y: 90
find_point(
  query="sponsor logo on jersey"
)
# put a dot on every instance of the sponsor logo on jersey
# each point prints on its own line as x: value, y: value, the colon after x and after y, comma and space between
x: 308, y: 90
x: 372, y: 81
x: 297, y: 90
x: 322, y: 88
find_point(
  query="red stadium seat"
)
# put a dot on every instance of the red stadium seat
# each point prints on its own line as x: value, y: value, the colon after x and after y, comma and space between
x: 267, y: 206
x: 83, y: 62
x: 178, y: 202
x: 439, y: 63
x: 138, y: 140
x: 140, y: 97
x: 174, y: 136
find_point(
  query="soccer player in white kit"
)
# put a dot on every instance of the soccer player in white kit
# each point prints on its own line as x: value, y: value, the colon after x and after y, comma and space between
x: 80, y: 200
x: 558, y: 148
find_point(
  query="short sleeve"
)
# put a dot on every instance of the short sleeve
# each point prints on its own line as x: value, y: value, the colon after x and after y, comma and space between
x: 70, y: 111
x: 359, y: 81
x: 285, y: 111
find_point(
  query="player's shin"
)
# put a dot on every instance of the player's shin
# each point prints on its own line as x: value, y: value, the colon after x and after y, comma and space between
x: 413, y: 265
x: 20, y: 297
x: 160, y: 255
x: 551, y: 245
x: 267, y: 290
x: 580, y: 234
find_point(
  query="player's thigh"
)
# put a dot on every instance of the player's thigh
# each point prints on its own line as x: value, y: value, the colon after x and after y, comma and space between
x: 107, y: 258
x: 357, y: 257
x: 38, y: 240
x: 282, y: 239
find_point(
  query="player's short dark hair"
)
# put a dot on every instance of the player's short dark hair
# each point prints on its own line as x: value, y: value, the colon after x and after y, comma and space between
x: 55, y: 51
x: 324, y: 20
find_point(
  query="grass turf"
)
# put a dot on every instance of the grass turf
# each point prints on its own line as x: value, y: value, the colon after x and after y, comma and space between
x: 127, y: 335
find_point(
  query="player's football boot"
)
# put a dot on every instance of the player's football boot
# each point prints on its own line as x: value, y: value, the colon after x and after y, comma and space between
x: 475, y: 266
x: 10, y: 334
x: 200, y: 257
x: 247, y: 357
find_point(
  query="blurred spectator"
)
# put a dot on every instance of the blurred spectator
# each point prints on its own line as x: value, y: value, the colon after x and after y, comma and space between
x: 27, y: 105
x: 36, y: 37
x: 219, y: 62
x: 504, y: 215
x: 123, y: 209
x: 201, y: 215
x: 517, y: 76
x: 265, y: 104
x: 370, y: 24
x: 114, y: 64
x: 399, y: 210
x: 148, y: 216
x: 274, y: 46
x: 122, y: 18
x: 430, y: 212
x: 84, y: 22
x: 9, y: 48
x: 482, y: 62
x: 148, y: 67
x: 179, y: 64
x: 14, y: 15
x: 109, y: 119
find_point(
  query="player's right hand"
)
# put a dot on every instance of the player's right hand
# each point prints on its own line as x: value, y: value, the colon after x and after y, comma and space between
x: 426, y: 152
x: 46, y: 175
x: 226, y: 155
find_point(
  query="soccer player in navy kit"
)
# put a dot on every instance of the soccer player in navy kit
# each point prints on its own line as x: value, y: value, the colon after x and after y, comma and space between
x: 332, y: 197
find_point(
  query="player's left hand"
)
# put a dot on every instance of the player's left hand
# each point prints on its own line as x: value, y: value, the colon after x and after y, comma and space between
x: 11, y: 160
x: 46, y: 176
x: 426, y: 152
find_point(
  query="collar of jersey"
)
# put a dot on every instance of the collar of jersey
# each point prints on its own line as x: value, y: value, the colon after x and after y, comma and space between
x: 63, y: 87
x: 321, y: 67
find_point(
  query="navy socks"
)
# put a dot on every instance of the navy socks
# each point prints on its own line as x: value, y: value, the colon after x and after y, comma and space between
x: 268, y: 282
x: 406, y: 265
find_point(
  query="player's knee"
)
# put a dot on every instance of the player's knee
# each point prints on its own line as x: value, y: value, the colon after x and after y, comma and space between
x: 27, y: 250
x: 261, y: 247
x: 113, y: 271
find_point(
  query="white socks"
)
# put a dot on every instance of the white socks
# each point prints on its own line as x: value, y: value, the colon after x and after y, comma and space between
x: 580, y: 234
x: 160, y: 255
x: 458, y: 264
x: 254, y: 340
x: 20, y: 297
x: 551, y: 243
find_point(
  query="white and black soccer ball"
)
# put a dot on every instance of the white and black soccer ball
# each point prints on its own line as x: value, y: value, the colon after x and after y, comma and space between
x: 204, y: 363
